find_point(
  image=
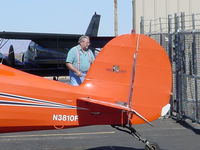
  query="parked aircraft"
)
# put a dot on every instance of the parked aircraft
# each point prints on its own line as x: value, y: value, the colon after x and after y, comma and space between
x: 10, y: 60
x: 129, y: 83
x: 46, y: 53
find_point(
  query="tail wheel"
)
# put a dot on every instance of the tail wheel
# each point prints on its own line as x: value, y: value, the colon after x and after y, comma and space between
x: 130, y: 130
x: 152, y: 146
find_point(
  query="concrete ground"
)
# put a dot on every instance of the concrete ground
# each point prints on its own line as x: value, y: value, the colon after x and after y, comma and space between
x: 169, y: 134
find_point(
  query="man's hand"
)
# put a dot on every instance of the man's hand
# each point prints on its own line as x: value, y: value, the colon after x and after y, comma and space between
x: 78, y: 73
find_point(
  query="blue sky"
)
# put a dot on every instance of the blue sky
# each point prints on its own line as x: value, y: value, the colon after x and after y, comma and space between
x: 63, y: 16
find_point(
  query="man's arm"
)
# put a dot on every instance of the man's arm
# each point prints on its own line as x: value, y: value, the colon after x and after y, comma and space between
x: 72, y: 68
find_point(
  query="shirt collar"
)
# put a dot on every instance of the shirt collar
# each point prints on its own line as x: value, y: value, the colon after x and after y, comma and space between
x: 80, y: 49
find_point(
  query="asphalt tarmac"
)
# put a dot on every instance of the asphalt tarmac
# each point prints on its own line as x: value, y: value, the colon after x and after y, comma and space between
x: 169, y: 134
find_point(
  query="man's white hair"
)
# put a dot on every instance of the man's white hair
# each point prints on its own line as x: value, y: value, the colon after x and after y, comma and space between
x: 83, y: 37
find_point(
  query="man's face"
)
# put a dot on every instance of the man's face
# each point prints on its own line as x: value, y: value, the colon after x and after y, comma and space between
x: 85, y: 43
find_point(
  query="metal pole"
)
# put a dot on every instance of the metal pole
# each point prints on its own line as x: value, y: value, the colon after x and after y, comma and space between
x: 182, y: 21
x: 134, y: 15
x: 150, y: 27
x: 169, y: 24
x: 195, y: 68
x: 193, y: 21
x: 142, y: 25
x: 115, y: 18
x: 177, y: 22
x: 170, y: 52
x: 161, y: 39
x: 160, y: 22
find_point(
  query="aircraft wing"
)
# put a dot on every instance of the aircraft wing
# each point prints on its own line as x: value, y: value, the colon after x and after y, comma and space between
x: 54, y: 40
x: 51, y: 49
x: 47, y: 52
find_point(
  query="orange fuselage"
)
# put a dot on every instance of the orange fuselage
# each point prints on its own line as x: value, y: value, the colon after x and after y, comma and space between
x: 132, y: 72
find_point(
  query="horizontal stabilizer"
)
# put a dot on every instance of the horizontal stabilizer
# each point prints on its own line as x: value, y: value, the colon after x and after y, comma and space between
x: 105, y: 103
x: 117, y: 105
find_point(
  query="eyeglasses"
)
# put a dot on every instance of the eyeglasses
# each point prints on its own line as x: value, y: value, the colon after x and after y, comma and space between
x: 86, y: 42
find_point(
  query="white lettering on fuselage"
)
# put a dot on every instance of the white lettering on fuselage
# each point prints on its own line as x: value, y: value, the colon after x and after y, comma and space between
x: 65, y: 117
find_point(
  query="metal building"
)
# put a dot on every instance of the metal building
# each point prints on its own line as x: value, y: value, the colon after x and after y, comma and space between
x: 152, y: 9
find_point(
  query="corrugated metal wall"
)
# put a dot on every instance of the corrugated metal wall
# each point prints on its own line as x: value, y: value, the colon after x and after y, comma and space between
x: 152, y: 9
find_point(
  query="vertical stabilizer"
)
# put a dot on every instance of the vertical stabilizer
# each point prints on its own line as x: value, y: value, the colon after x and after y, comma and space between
x: 93, y: 27
x: 132, y: 72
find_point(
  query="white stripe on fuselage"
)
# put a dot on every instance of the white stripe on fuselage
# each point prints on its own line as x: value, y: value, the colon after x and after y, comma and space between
x: 32, y: 102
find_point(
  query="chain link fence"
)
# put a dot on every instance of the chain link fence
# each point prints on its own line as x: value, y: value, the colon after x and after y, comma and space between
x: 179, y: 34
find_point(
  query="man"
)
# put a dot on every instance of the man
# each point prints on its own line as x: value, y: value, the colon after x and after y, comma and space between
x: 78, y: 61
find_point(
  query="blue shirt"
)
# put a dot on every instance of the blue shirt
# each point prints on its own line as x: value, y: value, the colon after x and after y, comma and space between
x: 79, y: 58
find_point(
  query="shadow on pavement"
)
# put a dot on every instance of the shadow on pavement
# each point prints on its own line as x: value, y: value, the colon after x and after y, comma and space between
x: 114, y: 148
x: 189, y: 126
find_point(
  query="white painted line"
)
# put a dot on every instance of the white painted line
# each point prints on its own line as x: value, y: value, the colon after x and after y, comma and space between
x: 64, y: 134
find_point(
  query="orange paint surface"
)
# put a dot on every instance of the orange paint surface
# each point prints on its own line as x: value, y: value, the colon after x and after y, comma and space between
x: 117, y: 84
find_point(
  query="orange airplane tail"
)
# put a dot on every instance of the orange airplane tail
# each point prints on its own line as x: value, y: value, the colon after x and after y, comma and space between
x: 132, y: 73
